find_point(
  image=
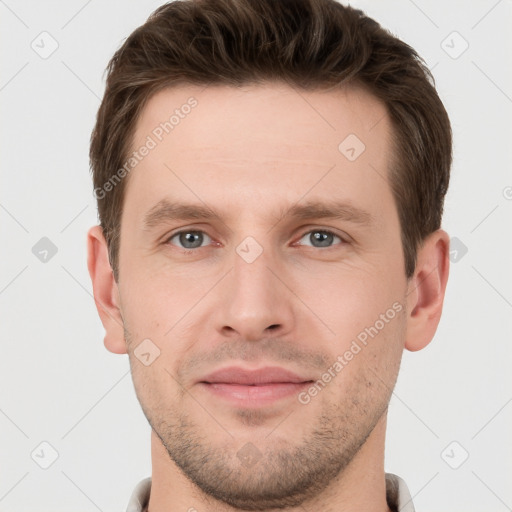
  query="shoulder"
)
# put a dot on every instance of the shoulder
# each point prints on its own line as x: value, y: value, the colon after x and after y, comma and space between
x: 397, y: 494
x: 140, y: 496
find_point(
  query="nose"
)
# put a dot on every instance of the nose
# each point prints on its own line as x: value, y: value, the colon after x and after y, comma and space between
x: 255, y: 302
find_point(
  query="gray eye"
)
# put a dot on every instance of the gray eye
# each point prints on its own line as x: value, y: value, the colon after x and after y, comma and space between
x: 320, y: 238
x: 189, y: 239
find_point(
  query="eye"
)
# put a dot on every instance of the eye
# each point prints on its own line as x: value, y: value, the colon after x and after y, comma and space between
x: 189, y: 239
x: 320, y: 238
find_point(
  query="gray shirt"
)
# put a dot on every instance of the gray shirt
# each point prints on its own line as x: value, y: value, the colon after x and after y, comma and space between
x: 397, y: 495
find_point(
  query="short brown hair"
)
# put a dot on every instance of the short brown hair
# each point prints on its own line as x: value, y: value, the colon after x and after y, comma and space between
x: 309, y: 44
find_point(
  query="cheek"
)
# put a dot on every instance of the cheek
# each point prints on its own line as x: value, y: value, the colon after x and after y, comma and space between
x: 366, y: 312
x: 154, y: 386
x: 366, y: 363
x: 351, y: 300
x: 156, y: 301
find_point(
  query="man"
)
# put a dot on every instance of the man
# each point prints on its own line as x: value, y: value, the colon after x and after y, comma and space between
x: 270, y: 180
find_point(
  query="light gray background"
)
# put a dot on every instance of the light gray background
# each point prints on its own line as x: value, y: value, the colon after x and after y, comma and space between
x: 59, y: 384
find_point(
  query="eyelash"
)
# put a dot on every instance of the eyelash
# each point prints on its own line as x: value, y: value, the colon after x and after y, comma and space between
x: 316, y: 230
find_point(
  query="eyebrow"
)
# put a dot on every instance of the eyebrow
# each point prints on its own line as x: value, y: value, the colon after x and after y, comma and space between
x: 166, y: 210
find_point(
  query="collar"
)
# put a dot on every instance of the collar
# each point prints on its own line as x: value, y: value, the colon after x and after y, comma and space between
x: 397, y: 495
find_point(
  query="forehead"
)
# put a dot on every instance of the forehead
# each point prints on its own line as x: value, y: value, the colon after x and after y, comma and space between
x: 259, y: 139
x: 271, y: 113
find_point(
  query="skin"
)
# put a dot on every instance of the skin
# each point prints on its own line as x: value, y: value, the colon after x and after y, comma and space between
x: 250, y: 154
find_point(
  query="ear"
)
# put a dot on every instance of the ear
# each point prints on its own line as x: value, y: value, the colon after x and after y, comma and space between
x: 426, y: 290
x: 105, y: 289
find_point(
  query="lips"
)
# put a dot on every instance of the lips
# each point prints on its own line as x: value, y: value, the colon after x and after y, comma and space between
x: 251, y: 389
x: 259, y: 377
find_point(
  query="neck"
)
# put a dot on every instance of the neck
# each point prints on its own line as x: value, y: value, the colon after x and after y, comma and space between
x: 361, y: 486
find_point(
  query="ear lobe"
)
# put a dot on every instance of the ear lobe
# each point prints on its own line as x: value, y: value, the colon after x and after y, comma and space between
x: 105, y: 290
x: 426, y: 290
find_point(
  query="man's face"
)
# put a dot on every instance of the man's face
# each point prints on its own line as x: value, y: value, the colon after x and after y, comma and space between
x: 267, y: 282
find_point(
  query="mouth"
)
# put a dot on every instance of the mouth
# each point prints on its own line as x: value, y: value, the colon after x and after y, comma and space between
x: 253, y: 388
